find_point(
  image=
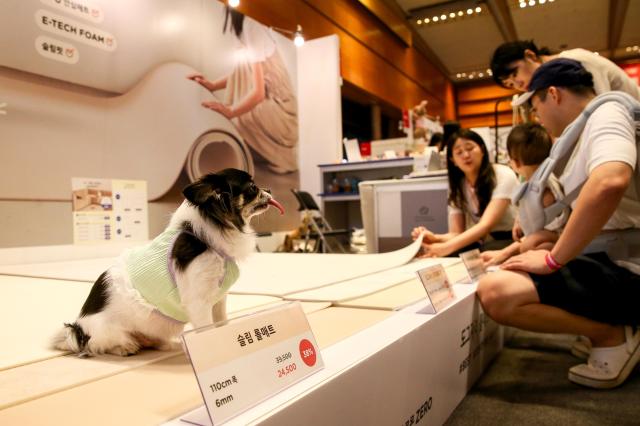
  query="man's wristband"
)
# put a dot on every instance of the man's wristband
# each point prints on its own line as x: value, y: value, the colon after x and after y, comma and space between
x: 551, y: 262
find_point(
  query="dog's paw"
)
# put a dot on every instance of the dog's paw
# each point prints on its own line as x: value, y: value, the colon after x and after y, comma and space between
x: 125, y: 350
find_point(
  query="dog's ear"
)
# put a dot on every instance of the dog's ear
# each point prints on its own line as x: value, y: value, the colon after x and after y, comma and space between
x: 197, y: 193
x: 209, y: 186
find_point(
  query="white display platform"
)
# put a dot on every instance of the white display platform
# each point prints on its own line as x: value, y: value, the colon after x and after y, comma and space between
x: 269, y: 274
x: 374, y: 357
x: 368, y: 284
x: 405, y: 366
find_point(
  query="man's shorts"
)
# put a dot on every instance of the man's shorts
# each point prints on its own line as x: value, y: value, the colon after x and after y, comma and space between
x: 594, y: 287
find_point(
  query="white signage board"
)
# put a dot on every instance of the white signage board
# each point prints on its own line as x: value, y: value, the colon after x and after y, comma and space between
x: 435, y: 282
x: 251, y: 358
x: 473, y: 262
x: 109, y: 210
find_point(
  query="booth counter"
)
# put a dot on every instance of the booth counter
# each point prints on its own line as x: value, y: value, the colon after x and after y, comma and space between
x: 389, y: 358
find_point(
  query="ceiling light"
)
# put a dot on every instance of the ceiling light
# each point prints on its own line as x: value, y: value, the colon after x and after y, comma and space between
x: 426, y: 20
x: 478, y: 9
x: 542, y: 1
x: 452, y: 15
x: 234, y: 3
x: 523, y: 4
x: 458, y: 75
x: 481, y: 74
x: 298, y: 37
x: 532, y: 2
x: 435, y: 19
x: 419, y: 22
x: 460, y: 13
x: 443, y: 17
x: 469, y: 11
x: 470, y: 76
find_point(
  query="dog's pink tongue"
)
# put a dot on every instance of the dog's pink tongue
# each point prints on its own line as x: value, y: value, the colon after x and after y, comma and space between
x: 277, y: 205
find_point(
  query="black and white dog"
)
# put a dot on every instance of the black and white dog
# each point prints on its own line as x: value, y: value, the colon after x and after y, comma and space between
x: 145, y: 299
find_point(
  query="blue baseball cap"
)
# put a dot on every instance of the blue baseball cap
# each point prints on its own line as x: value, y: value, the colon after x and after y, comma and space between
x: 561, y: 72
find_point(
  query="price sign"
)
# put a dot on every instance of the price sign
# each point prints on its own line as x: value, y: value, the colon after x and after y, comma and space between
x: 473, y: 262
x: 435, y: 282
x: 251, y: 359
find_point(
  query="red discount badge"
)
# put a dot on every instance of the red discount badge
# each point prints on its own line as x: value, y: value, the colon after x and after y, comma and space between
x: 307, y: 352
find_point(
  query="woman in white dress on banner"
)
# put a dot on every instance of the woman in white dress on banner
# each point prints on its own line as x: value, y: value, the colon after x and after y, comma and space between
x: 258, y: 95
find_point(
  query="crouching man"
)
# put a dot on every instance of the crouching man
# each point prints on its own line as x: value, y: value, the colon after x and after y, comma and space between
x: 561, y: 291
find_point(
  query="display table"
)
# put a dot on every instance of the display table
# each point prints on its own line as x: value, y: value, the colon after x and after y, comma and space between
x: 387, y: 355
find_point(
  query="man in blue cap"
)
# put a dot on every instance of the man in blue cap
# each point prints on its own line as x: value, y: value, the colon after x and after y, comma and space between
x: 560, y: 290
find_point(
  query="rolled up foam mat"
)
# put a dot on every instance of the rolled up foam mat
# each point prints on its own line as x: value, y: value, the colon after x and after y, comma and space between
x: 216, y: 150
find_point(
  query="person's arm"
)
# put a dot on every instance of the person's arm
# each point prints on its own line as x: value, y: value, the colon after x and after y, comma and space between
x: 211, y: 86
x: 543, y: 239
x: 491, y: 216
x: 456, y: 226
x: 246, y: 104
x: 595, y: 204
x: 496, y: 257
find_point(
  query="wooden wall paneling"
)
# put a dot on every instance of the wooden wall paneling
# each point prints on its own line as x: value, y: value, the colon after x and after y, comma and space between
x: 482, y: 107
x: 371, y: 56
x: 476, y: 104
x: 356, y: 21
x: 482, y: 91
x: 395, y: 23
x: 504, y: 119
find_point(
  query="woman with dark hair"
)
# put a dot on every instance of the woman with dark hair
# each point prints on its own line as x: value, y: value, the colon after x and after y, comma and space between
x: 480, y: 210
x: 514, y: 63
x: 258, y: 95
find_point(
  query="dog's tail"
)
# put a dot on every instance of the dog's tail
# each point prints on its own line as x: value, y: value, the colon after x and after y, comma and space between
x: 71, y: 338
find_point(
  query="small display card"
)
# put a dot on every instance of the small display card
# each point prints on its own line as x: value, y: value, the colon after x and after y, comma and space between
x: 435, y: 282
x: 251, y: 358
x: 473, y: 262
x: 109, y: 210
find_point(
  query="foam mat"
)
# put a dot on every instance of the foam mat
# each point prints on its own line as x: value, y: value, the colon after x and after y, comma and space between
x: 391, y: 299
x: 279, y: 274
x: 87, y: 270
x: 370, y: 284
x: 32, y: 310
x: 149, y: 394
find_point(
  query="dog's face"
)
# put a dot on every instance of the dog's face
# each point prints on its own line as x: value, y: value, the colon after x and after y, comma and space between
x: 229, y: 198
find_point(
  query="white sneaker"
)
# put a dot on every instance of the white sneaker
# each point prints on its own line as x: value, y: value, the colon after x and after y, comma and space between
x: 609, y: 367
x: 581, y: 348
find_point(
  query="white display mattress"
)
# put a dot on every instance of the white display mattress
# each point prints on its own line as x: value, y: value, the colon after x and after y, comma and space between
x: 32, y: 310
x: 270, y: 274
x: 370, y: 284
x: 145, y: 390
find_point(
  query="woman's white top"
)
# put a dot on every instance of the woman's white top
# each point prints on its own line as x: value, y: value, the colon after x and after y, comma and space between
x: 607, y: 76
x: 506, y: 183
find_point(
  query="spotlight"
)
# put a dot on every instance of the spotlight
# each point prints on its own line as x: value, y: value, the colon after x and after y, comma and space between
x: 234, y: 3
x: 298, y: 38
